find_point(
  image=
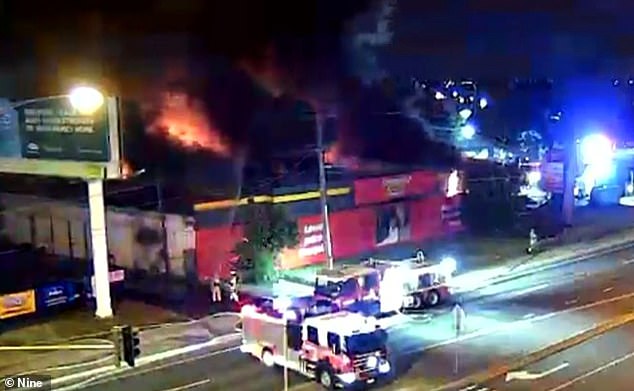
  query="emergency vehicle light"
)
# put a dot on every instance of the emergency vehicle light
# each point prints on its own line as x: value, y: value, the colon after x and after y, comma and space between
x: 248, y: 310
x: 449, y: 265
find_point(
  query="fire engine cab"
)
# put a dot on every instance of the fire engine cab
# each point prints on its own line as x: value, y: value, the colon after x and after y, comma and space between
x: 404, y: 284
x: 346, y: 285
x: 340, y: 349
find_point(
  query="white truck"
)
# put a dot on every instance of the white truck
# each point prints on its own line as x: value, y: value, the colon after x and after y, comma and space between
x: 339, y: 349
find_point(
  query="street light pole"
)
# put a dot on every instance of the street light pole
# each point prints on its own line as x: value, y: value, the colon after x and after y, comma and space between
x: 323, y: 191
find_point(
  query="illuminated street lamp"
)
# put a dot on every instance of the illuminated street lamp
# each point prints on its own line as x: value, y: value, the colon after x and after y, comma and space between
x: 86, y: 100
x: 465, y: 113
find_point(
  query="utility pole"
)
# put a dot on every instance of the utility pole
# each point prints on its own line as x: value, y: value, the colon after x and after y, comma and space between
x: 323, y: 190
x: 159, y: 207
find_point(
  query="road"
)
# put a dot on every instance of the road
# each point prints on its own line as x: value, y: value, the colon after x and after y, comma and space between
x: 503, y: 322
x: 605, y: 362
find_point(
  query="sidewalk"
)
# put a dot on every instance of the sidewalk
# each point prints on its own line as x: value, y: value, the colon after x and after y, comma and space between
x: 154, y: 340
x: 486, y: 257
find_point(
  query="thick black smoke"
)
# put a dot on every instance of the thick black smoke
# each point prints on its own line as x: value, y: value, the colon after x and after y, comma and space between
x: 230, y: 55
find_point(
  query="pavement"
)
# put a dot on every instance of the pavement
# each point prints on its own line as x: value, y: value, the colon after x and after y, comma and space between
x: 605, y: 362
x: 154, y: 339
x: 502, y: 324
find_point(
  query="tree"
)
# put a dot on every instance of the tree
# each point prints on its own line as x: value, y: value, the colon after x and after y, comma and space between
x: 267, y: 232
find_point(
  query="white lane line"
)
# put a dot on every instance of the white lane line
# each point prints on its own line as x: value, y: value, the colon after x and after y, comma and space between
x: 519, y: 323
x: 627, y: 262
x: 528, y: 316
x: 573, y: 301
x: 470, y: 388
x: 109, y: 377
x: 608, y: 289
x: 188, y: 386
x: 530, y: 290
x: 593, y: 372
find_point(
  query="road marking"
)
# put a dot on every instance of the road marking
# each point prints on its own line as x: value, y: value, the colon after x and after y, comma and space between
x: 593, y: 372
x: 573, y: 301
x: 608, y: 289
x: 188, y: 386
x: 112, y: 377
x: 525, y: 375
x: 528, y: 316
x: 627, y: 262
x: 530, y: 290
x: 469, y: 388
x: 514, y: 324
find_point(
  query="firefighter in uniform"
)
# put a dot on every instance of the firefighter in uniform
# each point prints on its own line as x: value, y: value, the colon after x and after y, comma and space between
x: 216, y: 292
x: 233, y: 286
x: 533, y: 240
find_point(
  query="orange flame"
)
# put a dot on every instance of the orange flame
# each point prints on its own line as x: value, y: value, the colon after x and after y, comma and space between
x: 185, y: 122
x: 126, y: 169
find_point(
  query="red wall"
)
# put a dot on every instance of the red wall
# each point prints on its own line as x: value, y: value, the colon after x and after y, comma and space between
x: 425, y: 215
x: 353, y: 231
x: 214, y: 250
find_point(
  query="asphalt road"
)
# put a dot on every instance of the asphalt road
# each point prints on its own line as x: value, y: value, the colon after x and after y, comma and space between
x: 603, y: 363
x: 503, y: 322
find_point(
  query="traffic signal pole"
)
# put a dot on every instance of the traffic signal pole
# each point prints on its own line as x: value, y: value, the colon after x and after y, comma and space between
x: 125, y: 345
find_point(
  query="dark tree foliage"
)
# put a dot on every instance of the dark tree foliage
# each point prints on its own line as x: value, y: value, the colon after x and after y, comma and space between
x: 267, y: 232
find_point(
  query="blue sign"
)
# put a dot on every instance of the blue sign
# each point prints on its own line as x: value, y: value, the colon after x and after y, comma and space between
x: 56, y: 294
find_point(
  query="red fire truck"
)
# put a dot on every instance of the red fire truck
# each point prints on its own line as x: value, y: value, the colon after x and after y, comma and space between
x: 339, y: 349
x: 403, y: 284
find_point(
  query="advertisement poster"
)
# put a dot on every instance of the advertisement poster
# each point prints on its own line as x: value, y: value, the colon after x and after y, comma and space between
x: 16, y: 304
x: 54, y: 295
x: 393, y: 224
x: 53, y: 130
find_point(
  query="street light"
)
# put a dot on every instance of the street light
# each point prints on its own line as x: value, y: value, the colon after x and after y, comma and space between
x: 86, y: 99
x: 468, y: 131
x: 465, y: 113
x: 483, y: 103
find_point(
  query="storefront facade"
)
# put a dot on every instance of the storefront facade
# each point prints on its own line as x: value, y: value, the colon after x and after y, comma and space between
x: 366, y: 214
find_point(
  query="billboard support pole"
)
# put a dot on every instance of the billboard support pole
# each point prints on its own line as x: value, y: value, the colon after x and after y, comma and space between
x: 99, y: 241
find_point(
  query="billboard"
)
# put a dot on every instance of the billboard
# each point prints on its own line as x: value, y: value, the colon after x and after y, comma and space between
x: 49, y: 137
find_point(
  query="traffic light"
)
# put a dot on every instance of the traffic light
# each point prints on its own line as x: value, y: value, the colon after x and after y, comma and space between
x: 130, y: 340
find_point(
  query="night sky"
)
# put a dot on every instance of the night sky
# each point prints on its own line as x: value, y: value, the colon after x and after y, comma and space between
x: 245, y: 61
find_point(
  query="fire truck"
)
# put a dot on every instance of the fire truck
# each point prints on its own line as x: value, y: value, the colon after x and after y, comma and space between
x: 339, y: 349
x: 403, y: 284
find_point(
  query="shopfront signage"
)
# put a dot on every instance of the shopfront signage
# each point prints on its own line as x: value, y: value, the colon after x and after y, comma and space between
x: 311, y: 240
x: 396, y: 186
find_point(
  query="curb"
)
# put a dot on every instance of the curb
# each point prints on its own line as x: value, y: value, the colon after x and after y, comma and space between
x: 113, y: 369
x: 539, y: 355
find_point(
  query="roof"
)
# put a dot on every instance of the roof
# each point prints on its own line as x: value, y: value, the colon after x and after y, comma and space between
x: 343, y: 323
x: 345, y: 271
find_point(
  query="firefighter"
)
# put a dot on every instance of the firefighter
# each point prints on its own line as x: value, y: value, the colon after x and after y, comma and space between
x: 233, y: 286
x: 532, y: 241
x: 216, y: 293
